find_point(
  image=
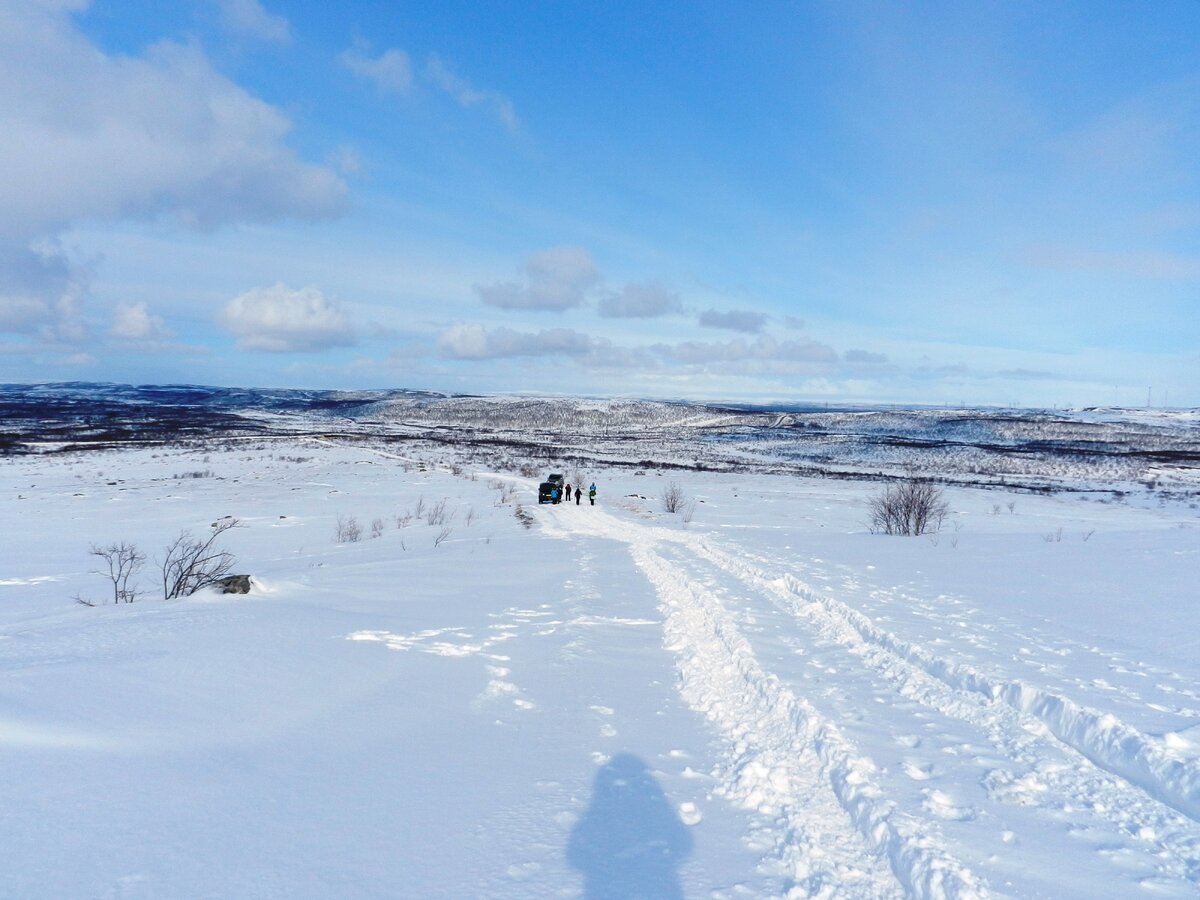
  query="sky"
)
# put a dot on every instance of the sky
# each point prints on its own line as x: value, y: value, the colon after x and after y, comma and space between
x: 851, y: 202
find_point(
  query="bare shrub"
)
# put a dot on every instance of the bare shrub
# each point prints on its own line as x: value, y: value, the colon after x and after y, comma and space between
x: 689, y: 511
x: 673, y: 498
x: 528, y: 470
x: 377, y: 526
x: 122, y: 561
x: 405, y: 520
x: 437, y: 514
x: 911, y: 507
x: 420, y: 512
x: 470, y: 517
x: 347, y: 530
x: 442, y: 535
x: 191, y: 563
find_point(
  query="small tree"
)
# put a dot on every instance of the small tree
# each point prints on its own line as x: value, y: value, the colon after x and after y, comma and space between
x: 673, y: 498
x: 191, y: 563
x: 913, y: 507
x: 122, y: 561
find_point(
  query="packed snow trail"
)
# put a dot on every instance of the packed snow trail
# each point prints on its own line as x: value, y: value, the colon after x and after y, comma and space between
x: 785, y: 758
x: 1067, y: 757
x: 1058, y: 775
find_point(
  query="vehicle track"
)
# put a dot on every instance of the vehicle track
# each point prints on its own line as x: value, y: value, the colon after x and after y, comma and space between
x: 839, y: 834
x: 1059, y: 755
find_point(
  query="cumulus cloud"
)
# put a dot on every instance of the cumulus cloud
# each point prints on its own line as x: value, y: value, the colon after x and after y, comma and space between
x: 733, y: 320
x: 640, y: 301
x: 249, y: 18
x: 472, y: 341
x: 89, y: 136
x: 468, y: 96
x: 390, y: 72
x: 281, y: 320
x: 133, y: 322
x: 556, y: 280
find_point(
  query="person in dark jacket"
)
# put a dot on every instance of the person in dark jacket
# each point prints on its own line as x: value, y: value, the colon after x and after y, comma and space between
x: 578, y: 494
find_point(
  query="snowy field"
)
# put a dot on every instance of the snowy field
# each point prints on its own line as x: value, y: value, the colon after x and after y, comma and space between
x: 481, y: 697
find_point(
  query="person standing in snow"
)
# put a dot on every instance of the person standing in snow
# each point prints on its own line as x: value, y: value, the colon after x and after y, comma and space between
x: 578, y: 494
x: 592, y: 494
x: 567, y: 493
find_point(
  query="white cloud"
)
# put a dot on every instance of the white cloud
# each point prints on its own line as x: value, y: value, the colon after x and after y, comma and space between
x: 391, y: 71
x: 92, y: 137
x: 557, y: 279
x: 472, y: 341
x: 640, y: 301
x: 733, y: 320
x: 133, y: 322
x: 281, y: 320
x: 249, y: 18
x: 467, y: 96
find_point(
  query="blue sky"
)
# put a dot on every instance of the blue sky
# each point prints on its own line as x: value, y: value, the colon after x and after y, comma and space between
x: 993, y: 203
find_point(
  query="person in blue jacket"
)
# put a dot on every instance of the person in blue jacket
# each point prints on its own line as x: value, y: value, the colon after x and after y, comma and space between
x: 592, y: 494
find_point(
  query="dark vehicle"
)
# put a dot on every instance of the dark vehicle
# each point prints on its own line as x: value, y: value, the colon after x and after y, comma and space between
x: 547, y: 488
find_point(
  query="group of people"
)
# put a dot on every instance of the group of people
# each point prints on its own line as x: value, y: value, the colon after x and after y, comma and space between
x: 566, y: 494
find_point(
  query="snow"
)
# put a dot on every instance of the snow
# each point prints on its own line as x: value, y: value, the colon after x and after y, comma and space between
x: 759, y: 698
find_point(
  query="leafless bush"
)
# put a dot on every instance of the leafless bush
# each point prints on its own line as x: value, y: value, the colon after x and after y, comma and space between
x: 191, y: 563
x: 437, y: 514
x: 122, y: 562
x: 200, y: 473
x: 528, y: 470
x: 420, y: 512
x: 912, y: 507
x: 1087, y: 534
x: 673, y: 497
x: 689, y: 511
x: 347, y: 530
x: 470, y: 516
x: 442, y: 535
x: 405, y: 520
x: 377, y: 526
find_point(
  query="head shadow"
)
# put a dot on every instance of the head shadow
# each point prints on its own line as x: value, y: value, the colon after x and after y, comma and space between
x: 630, y: 842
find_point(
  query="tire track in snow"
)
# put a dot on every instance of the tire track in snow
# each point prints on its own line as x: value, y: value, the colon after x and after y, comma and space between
x: 786, y: 759
x: 1145, y: 761
x: 1135, y: 775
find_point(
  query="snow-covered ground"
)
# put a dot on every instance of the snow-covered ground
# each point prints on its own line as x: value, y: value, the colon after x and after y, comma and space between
x: 755, y: 697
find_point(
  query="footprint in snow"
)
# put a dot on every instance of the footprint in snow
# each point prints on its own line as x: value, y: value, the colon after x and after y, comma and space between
x: 918, y: 771
x: 942, y: 805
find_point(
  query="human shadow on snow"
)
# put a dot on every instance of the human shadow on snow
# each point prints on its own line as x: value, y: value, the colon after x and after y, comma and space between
x: 630, y: 842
